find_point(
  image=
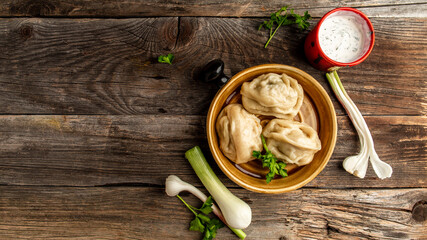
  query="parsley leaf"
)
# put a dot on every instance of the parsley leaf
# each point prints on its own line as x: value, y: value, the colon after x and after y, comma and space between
x: 301, y: 21
x: 270, y: 161
x: 212, y: 228
x: 203, y: 218
x: 202, y: 223
x: 166, y: 58
x: 196, y: 225
x: 207, y: 206
x: 279, y: 19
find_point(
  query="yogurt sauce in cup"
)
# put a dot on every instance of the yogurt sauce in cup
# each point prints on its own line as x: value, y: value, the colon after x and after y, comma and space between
x: 344, y: 36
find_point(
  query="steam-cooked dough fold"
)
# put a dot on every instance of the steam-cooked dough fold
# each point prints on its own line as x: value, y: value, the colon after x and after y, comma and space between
x: 273, y: 95
x: 239, y: 133
x: 291, y: 141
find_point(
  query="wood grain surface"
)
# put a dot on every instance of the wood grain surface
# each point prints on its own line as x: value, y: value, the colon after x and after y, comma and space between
x: 148, y: 213
x: 91, y: 124
x: 222, y: 8
x: 103, y: 150
x: 108, y: 66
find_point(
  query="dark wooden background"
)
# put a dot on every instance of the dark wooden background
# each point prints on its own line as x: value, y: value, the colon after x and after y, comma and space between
x: 91, y: 124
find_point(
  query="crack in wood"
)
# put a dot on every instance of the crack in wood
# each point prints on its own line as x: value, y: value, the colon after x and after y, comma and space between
x: 330, y: 229
x: 178, y: 33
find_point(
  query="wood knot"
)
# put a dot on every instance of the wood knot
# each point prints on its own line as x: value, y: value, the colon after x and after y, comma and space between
x: 26, y: 32
x: 33, y: 7
x: 419, y: 211
x: 161, y: 110
x: 187, y: 29
x: 169, y: 32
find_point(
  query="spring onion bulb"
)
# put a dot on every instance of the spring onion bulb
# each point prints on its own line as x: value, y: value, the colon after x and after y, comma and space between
x: 358, y: 164
x: 174, y: 186
x: 236, y: 212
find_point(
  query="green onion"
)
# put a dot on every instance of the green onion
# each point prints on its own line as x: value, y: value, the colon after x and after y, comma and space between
x: 237, y: 213
x: 174, y: 185
x: 358, y: 164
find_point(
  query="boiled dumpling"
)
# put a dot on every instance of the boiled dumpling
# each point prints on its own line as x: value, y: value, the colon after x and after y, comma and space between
x: 291, y: 141
x: 239, y: 133
x: 273, y: 95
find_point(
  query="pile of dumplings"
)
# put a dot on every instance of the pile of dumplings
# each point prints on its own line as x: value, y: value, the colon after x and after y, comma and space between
x: 279, y: 96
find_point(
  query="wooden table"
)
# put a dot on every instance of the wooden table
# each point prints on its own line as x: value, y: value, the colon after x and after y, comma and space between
x: 91, y: 124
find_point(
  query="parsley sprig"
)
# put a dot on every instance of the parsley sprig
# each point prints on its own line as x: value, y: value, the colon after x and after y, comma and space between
x: 270, y: 161
x: 286, y: 18
x: 166, y: 58
x: 201, y: 222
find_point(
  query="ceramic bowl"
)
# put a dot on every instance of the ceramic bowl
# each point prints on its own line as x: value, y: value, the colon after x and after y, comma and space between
x: 317, y: 111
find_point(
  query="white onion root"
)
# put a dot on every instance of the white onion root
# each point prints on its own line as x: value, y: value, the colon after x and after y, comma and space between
x: 358, y: 164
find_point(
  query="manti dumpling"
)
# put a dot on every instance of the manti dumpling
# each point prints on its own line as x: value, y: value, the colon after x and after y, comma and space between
x: 273, y: 95
x: 239, y: 133
x: 291, y: 141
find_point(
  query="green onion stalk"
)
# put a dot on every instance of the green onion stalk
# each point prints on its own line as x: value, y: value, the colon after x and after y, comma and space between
x: 236, y: 212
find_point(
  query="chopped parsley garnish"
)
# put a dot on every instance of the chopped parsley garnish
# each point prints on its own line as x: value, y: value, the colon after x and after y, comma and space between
x: 278, y: 19
x: 270, y: 161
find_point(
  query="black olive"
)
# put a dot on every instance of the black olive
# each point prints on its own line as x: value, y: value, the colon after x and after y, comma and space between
x: 214, y: 72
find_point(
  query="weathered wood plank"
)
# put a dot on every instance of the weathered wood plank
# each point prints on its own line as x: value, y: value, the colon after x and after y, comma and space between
x: 51, y: 63
x: 108, y: 66
x: 100, y: 150
x: 245, y: 8
x: 383, y: 84
x: 147, y: 213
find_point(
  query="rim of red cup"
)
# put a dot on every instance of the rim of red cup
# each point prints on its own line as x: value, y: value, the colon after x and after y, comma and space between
x: 371, y: 46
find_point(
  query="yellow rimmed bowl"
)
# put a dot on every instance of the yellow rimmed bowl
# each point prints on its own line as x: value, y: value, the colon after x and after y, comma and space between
x: 317, y: 111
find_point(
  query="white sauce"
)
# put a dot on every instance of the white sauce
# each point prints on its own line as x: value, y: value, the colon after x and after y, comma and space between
x: 344, y: 36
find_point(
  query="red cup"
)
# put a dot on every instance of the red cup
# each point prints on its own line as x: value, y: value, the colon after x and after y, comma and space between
x: 316, y: 55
